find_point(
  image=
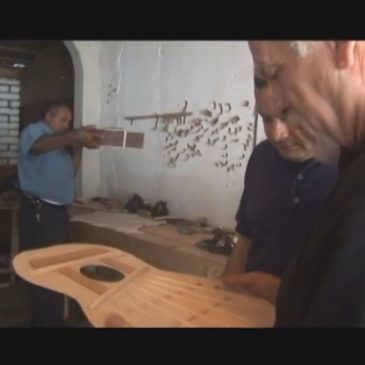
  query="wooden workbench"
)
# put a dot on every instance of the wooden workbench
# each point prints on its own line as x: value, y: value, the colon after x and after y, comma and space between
x: 161, y: 246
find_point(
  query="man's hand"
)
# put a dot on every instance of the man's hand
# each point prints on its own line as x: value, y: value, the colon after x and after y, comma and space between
x: 261, y: 283
x: 89, y: 137
x: 115, y: 320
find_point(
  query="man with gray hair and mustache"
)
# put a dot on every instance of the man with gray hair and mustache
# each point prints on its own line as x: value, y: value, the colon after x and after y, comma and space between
x: 284, y: 190
x: 322, y: 84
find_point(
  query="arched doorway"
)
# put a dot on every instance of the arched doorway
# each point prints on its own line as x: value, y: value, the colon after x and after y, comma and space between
x: 49, y: 77
x: 32, y: 74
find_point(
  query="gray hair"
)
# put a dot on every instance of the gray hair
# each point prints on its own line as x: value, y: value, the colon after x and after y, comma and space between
x: 303, y: 48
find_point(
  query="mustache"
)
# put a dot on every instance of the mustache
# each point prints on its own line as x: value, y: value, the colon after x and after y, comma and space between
x: 285, y: 144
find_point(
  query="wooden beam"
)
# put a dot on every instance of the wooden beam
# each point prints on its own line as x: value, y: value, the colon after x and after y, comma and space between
x: 24, y: 51
x: 9, y: 72
x: 15, y: 59
x: 121, y: 138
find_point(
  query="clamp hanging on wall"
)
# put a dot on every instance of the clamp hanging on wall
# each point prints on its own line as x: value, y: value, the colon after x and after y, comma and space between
x: 180, y: 117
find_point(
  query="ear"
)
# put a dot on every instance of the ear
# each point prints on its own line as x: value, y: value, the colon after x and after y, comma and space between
x: 345, y: 53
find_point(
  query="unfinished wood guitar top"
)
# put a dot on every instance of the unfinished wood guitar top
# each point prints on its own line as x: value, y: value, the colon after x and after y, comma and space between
x: 142, y: 295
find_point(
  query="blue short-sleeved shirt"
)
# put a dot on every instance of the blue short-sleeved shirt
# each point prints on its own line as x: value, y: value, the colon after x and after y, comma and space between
x: 279, y: 206
x: 49, y: 175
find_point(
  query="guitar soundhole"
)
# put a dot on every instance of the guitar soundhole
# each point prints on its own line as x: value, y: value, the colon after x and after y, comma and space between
x: 102, y: 273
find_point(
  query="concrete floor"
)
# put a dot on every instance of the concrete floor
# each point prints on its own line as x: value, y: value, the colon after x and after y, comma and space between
x: 14, y: 304
x: 15, y: 308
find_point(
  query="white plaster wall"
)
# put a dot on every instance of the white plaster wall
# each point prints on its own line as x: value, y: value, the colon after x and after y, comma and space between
x: 86, y: 59
x: 133, y: 78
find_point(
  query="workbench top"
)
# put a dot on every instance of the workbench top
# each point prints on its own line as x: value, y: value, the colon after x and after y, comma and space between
x: 160, y: 245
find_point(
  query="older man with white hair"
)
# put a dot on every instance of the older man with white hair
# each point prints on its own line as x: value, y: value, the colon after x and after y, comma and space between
x: 323, y: 83
x: 284, y: 190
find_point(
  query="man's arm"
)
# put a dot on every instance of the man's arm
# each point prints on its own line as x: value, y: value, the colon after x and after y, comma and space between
x: 261, y: 283
x: 77, y: 157
x: 236, y: 263
x: 87, y: 137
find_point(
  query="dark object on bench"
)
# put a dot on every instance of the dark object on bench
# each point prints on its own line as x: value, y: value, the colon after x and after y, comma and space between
x: 222, y: 242
x: 135, y: 204
x: 160, y: 209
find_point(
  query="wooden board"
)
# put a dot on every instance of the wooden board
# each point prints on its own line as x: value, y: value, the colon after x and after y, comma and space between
x: 169, y: 232
x: 120, y: 138
x: 118, y: 221
x: 146, y: 296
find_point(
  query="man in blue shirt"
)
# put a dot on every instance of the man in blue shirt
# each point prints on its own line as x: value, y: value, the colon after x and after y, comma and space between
x: 49, y: 157
x: 284, y: 190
